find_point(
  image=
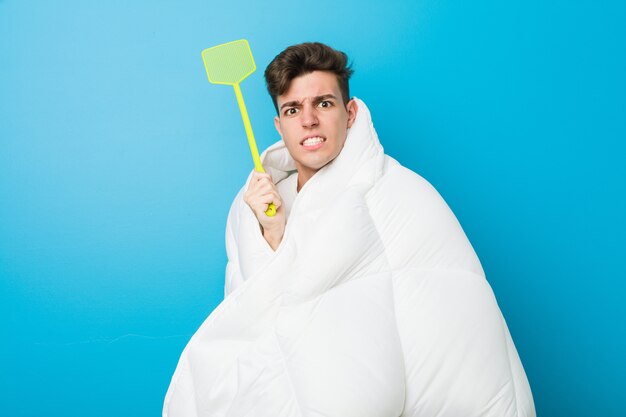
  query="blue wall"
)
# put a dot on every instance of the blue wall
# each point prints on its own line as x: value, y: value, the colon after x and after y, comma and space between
x: 118, y: 163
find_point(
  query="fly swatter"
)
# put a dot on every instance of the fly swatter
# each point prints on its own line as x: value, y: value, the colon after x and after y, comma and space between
x: 230, y: 63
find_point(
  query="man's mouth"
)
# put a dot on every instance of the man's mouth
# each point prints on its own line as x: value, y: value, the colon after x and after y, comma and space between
x: 313, y: 142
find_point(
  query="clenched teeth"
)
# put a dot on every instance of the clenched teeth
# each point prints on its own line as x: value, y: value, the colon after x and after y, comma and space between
x: 313, y: 141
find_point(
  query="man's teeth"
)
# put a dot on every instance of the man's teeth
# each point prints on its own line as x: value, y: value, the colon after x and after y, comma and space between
x: 313, y: 141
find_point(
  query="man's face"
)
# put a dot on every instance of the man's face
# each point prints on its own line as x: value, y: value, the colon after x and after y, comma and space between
x: 313, y: 121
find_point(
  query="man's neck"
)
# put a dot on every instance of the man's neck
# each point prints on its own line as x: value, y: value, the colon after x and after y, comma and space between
x: 303, y: 176
x: 301, y: 182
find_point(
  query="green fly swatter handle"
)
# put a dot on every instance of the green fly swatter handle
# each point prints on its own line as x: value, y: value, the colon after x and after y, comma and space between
x: 271, y: 209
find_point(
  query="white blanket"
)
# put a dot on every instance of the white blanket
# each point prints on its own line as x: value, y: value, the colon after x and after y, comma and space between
x: 374, y: 304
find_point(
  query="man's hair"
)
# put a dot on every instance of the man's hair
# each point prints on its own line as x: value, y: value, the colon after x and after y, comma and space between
x: 302, y: 59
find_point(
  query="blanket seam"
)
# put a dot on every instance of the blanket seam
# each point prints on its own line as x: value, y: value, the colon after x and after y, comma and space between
x: 420, y: 269
x: 393, y: 295
x: 284, y: 361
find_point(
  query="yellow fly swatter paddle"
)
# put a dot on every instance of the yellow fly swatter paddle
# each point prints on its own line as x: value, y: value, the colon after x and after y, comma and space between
x: 230, y: 63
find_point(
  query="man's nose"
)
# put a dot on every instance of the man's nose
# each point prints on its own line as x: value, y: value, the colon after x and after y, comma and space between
x: 309, y: 117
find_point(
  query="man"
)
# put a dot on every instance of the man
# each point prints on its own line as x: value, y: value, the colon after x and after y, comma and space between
x: 314, y: 114
x: 361, y: 296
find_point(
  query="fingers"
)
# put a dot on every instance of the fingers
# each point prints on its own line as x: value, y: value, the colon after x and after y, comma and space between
x: 260, y: 203
x: 257, y: 176
x: 253, y: 193
x: 272, y: 197
x: 261, y: 192
x: 261, y: 181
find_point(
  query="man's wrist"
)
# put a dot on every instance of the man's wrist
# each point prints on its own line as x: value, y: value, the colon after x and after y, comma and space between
x: 273, y: 237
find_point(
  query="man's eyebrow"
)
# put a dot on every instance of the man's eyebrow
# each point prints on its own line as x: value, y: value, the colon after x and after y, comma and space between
x: 323, y: 97
x: 290, y: 104
x: 316, y: 99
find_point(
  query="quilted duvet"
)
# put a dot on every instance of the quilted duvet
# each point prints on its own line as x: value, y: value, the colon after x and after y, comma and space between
x: 374, y: 305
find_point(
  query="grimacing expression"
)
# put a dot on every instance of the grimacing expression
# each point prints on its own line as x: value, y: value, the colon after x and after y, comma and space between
x: 313, y: 121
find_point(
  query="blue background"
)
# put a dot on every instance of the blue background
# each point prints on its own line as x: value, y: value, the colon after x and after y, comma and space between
x: 118, y: 163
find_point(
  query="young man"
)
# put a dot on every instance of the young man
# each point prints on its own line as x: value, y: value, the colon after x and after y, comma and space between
x: 362, y: 296
x: 314, y: 115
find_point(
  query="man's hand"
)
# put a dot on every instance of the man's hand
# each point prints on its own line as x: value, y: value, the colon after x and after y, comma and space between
x: 260, y: 193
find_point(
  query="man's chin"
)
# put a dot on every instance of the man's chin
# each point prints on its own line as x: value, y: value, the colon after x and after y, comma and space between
x: 311, y: 166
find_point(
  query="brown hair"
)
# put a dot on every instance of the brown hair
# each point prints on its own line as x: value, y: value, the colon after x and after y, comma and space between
x: 302, y: 59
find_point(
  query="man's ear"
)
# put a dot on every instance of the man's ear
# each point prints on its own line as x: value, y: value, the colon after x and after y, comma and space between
x: 277, y: 126
x: 352, y: 110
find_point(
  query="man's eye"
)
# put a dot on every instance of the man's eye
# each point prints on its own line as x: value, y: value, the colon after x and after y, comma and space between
x: 290, y: 112
x: 326, y: 103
